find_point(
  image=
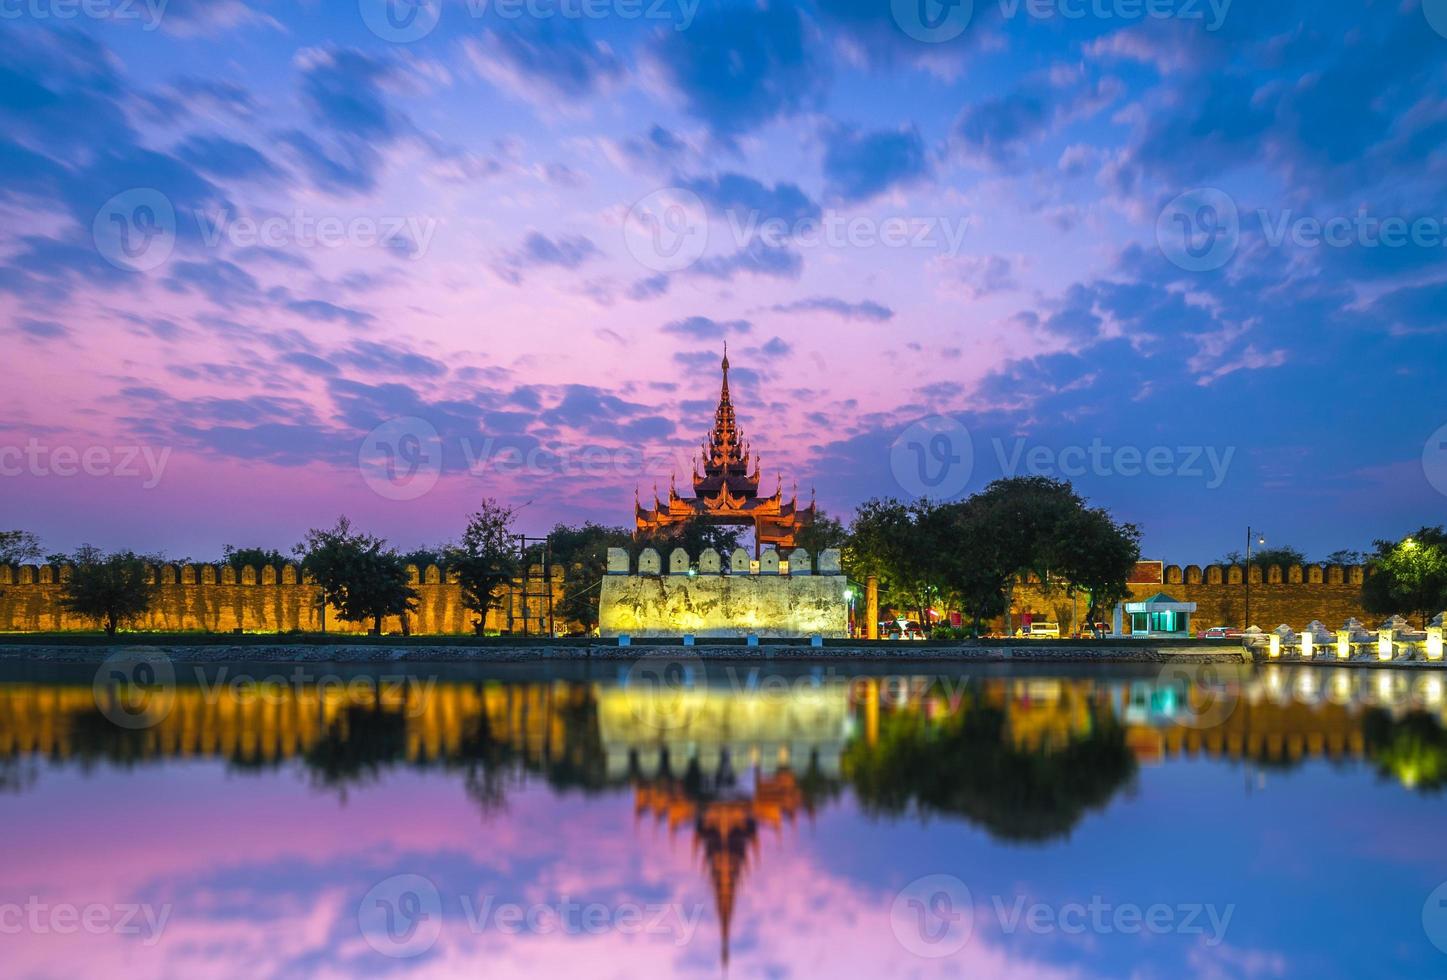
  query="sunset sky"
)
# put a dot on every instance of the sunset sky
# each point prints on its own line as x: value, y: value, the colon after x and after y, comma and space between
x: 455, y: 247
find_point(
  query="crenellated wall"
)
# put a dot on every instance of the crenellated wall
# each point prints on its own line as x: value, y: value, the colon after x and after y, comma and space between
x: 1295, y: 595
x: 713, y: 597
x: 222, y: 599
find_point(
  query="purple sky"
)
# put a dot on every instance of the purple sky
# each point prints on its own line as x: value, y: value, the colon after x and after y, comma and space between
x: 266, y: 263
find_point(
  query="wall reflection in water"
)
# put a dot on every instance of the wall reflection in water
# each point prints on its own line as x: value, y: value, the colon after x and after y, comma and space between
x: 1024, y: 758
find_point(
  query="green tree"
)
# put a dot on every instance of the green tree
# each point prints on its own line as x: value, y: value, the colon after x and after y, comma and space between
x: 115, y: 589
x: 900, y: 543
x: 1283, y: 558
x: 1408, y: 577
x: 239, y: 558
x: 485, y: 560
x: 358, y: 574
x: 825, y: 532
x: 583, y: 552
x: 18, y: 547
x: 1027, y: 514
x: 693, y: 536
x: 971, y: 567
x: 1094, y: 556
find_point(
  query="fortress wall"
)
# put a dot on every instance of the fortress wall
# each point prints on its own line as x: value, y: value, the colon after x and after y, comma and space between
x: 783, y: 597
x: 1295, y: 595
x: 224, y: 599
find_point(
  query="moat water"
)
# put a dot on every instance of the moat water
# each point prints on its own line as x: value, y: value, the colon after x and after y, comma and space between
x: 805, y: 820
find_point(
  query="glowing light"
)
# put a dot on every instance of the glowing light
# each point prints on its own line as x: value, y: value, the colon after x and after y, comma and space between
x: 1306, y: 644
x: 1384, y: 645
x: 1434, y: 643
x: 1275, y: 647
x: 1343, y: 645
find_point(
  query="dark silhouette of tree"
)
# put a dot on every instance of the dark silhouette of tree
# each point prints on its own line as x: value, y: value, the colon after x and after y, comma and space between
x: 485, y: 559
x: 115, y: 589
x: 358, y: 574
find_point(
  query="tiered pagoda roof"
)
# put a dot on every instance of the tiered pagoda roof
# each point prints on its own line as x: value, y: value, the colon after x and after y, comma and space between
x: 726, y: 491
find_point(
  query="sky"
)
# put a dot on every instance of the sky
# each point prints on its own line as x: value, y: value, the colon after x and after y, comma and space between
x: 262, y: 264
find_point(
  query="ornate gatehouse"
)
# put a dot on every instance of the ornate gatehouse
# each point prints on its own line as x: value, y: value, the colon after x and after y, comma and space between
x: 726, y: 492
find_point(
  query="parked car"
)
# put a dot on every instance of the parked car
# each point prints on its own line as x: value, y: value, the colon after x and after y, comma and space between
x: 1221, y: 633
x: 1093, y: 631
x: 1040, y: 631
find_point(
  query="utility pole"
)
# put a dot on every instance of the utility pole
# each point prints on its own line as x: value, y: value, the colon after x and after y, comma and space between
x: 1250, y: 537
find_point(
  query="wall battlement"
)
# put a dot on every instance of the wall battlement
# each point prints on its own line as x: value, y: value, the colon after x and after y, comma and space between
x: 712, y: 597
x: 269, y: 599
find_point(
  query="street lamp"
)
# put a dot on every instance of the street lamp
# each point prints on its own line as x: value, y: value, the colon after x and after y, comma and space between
x: 1258, y: 539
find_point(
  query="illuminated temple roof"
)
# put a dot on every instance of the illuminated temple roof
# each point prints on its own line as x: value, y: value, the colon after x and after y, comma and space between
x: 726, y: 492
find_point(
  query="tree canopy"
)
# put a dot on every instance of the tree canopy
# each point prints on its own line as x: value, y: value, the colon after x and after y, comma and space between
x: 1408, y: 577
x: 358, y: 574
x: 115, y: 589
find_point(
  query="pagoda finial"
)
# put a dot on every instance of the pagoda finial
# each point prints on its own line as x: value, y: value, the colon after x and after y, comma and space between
x: 726, y: 357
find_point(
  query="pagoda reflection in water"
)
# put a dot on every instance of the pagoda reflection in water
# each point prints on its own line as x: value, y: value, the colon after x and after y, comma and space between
x: 738, y: 767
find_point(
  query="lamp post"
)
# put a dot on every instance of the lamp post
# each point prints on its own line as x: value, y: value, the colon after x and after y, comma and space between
x: 1259, y: 539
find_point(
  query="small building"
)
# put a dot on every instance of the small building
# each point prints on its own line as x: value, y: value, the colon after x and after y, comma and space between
x: 1159, y: 616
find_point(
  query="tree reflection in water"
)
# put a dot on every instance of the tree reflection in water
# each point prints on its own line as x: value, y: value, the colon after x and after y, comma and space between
x: 1411, y: 749
x: 966, y: 765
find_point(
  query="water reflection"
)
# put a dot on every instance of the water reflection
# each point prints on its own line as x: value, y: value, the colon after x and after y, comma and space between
x: 731, y: 764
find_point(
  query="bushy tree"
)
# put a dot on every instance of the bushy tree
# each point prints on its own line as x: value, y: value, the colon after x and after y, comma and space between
x: 358, y: 574
x: 825, y: 532
x: 583, y: 552
x: 239, y: 558
x: 18, y: 547
x: 1408, y: 577
x: 693, y: 536
x: 485, y: 560
x: 115, y: 589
